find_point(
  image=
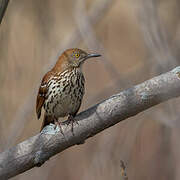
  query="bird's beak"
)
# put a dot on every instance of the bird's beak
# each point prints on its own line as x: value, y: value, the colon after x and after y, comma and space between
x: 92, y: 55
x: 89, y: 56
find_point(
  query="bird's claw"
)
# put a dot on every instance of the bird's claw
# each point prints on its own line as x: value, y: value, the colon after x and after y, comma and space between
x: 58, y: 123
x: 71, y: 121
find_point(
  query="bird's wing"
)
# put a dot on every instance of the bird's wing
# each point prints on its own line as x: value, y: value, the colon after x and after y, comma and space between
x: 42, y: 93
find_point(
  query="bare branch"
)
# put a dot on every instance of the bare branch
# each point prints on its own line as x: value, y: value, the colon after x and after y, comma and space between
x: 3, y: 6
x: 38, y: 149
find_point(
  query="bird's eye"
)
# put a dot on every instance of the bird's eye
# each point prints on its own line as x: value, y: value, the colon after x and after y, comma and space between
x: 77, y: 55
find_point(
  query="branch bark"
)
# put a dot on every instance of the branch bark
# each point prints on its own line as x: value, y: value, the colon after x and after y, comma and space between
x: 3, y: 6
x: 38, y: 149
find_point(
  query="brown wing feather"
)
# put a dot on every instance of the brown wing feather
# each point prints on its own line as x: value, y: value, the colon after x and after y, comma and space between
x: 46, y: 121
x: 41, y: 97
x: 40, y: 100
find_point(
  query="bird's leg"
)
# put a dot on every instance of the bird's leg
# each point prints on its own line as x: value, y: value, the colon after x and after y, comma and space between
x: 71, y: 121
x: 58, y: 123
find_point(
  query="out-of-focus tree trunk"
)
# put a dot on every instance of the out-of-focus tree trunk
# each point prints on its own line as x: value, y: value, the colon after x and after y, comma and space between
x: 3, y: 7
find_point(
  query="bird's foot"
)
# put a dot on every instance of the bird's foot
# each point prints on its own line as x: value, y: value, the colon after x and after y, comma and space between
x: 71, y: 120
x: 58, y: 123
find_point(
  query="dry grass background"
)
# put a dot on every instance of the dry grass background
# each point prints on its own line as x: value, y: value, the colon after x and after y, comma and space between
x: 138, y: 40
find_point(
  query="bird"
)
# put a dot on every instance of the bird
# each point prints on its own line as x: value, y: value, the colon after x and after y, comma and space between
x: 62, y: 88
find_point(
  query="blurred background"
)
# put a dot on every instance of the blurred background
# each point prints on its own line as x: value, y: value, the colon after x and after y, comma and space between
x: 138, y: 39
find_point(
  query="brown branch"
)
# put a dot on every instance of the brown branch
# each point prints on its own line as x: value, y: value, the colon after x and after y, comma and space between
x: 3, y: 7
x: 38, y: 149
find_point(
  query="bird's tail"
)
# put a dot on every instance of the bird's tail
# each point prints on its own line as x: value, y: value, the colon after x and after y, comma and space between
x: 46, y: 121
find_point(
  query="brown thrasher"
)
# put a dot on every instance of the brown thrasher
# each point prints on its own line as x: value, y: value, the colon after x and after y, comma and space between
x: 62, y: 88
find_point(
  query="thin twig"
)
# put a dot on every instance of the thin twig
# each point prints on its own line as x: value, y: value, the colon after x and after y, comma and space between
x: 123, y: 171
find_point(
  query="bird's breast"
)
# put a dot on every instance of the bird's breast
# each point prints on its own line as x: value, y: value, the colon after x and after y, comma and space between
x: 65, y: 93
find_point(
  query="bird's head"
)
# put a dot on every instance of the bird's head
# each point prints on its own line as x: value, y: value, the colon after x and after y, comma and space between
x: 74, y: 58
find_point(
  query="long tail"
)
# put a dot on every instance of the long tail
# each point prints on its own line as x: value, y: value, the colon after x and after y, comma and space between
x: 46, y: 121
